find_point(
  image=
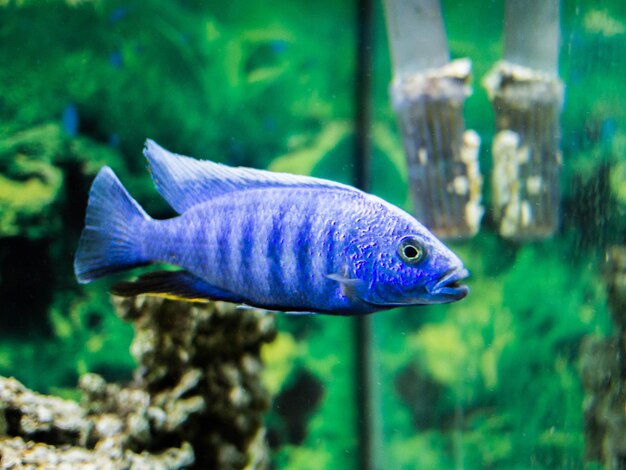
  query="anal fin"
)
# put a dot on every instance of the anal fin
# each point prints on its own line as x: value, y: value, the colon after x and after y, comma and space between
x: 179, y: 285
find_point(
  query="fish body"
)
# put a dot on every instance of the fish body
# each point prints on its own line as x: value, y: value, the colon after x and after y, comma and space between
x: 270, y: 240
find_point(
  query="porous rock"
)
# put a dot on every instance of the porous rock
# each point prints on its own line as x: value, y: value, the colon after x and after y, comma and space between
x: 196, y: 400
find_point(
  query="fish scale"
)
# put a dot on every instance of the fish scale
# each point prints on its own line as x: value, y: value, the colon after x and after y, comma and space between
x: 288, y: 261
x: 304, y: 247
x: 290, y: 255
x: 273, y: 252
x: 262, y: 231
x: 272, y: 240
x: 225, y: 242
x: 326, y: 260
x: 253, y: 230
x: 234, y: 221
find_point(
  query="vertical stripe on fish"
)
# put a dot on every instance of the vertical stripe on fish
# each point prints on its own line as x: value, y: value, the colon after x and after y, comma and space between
x: 273, y: 252
x: 289, y: 261
x: 247, y: 235
x: 319, y: 267
x: 259, y: 279
x: 223, y: 226
x: 328, y: 258
x: 303, y: 247
x: 236, y: 222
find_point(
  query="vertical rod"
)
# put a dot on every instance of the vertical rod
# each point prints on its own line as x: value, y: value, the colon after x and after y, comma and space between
x: 362, y: 161
x: 363, y: 76
x: 531, y: 34
x: 417, y: 36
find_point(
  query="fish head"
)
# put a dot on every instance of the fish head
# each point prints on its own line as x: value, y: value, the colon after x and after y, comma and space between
x: 411, y: 266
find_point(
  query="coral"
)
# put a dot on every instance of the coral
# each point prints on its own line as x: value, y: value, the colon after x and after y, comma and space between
x: 526, y: 150
x: 430, y: 105
x: 196, y: 401
x: 39, y: 417
x: 52, y: 433
x: 17, y: 454
x: 211, y: 355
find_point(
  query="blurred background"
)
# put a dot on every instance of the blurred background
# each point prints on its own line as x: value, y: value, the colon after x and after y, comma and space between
x: 494, y: 381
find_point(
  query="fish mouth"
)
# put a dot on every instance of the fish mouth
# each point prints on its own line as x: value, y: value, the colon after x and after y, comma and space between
x: 449, y: 287
x: 445, y: 290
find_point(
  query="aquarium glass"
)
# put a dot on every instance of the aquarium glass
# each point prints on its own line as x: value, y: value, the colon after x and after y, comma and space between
x: 526, y: 372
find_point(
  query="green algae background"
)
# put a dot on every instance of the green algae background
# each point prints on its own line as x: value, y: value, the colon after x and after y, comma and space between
x: 489, y: 382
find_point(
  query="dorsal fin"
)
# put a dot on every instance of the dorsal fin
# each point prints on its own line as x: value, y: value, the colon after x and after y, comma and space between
x: 185, y: 182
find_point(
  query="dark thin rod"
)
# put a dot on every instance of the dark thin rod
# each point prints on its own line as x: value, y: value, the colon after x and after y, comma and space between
x: 363, y: 74
x: 362, y: 161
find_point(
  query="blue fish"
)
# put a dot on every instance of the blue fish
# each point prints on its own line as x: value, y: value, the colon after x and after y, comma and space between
x: 270, y: 240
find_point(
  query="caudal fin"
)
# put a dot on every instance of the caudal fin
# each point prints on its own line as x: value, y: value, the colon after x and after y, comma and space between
x: 108, y: 243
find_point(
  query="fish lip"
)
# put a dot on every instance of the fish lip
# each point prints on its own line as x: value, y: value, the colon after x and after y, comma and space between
x: 440, y: 292
x: 448, y: 285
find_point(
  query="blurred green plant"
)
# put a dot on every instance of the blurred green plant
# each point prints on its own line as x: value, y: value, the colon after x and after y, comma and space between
x: 87, y: 337
x: 515, y: 337
x: 224, y: 81
x: 330, y: 423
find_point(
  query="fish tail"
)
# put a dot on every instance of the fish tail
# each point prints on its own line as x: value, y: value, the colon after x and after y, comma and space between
x: 109, y: 242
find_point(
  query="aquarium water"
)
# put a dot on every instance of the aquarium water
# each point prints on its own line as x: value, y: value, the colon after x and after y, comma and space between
x: 499, y: 124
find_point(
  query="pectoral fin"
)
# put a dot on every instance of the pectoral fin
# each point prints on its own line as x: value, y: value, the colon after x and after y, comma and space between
x: 351, y: 288
x: 179, y: 285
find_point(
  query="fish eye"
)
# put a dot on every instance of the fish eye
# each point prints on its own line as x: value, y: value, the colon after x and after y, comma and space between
x: 411, y: 251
